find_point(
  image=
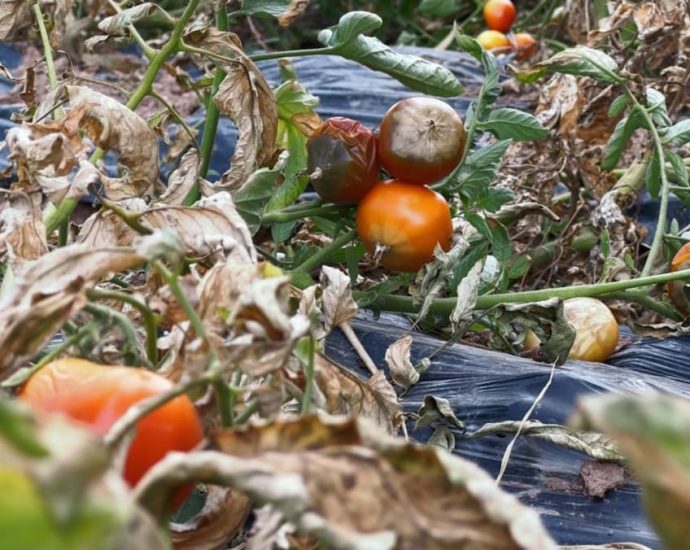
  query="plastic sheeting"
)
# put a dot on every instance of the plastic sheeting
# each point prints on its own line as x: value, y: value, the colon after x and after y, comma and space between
x: 484, y: 386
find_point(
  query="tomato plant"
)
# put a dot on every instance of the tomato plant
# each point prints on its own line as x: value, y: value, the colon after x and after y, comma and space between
x: 342, y: 160
x: 493, y: 40
x: 677, y: 289
x: 421, y: 140
x: 596, y: 330
x: 499, y: 15
x: 98, y: 395
x: 405, y: 222
x: 525, y: 45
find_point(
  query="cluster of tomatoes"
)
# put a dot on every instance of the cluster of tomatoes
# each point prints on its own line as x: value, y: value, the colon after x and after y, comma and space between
x: 400, y: 220
x: 499, y: 16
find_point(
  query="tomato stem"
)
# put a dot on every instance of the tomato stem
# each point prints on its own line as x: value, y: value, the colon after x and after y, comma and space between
x: 444, y: 306
x: 285, y: 215
x: 246, y: 414
x: 224, y: 402
x: 308, y: 378
x: 318, y: 258
x: 125, y: 325
x: 147, y: 316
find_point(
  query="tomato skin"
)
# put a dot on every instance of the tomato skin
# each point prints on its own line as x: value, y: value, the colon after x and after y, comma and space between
x: 421, y: 140
x: 525, y: 45
x: 499, y: 15
x: 493, y: 40
x: 98, y: 395
x: 406, y: 218
x: 677, y: 289
x: 596, y: 330
x: 344, y: 151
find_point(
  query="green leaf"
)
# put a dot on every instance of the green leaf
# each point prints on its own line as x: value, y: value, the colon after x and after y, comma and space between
x: 656, y: 106
x: 476, y: 252
x: 490, y: 89
x: 281, y: 232
x: 470, y: 45
x: 439, y: 8
x: 652, y: 177
x: 252, y: 198
x: 478, y: 171
x: 294, y: 171
x: 678, y: 166
x: 507, y: 123
x: 264, y: 8
x: 679, y: 133
x: 293, y: 99
x: 480, y: 224
x: 18, y: 429
x: 618, y: 105
x: 352, y: 25
x: 619, y: 139
x: 493, y: 198
x: 414, y: 72
x: 519, y: 267
x: 579, y: 61
x: 653, y: 433
x: 500, y: 243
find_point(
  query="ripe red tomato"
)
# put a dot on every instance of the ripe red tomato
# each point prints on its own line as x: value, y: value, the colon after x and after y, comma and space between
x: 408, y: 220
x: 499, y: 15
x: 421, y: 140
x: 525, y: 45
x: 596, y: 330
x: 97, y: 395
x: 493, y: 40
x: 677, y: 290
x: 342, y: 160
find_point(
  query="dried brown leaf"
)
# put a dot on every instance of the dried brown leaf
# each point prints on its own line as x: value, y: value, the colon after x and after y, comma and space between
x: 350, y: 485
x: 246, y: 98
x: 338, y: 304
x: 221, y: 518
x: 22, y: 232
x: 398, y: 360
x: 48, y: 291
x: 182, y: 180
x: 342, y: 392
x: 14, y: 16
x: 294, y: 10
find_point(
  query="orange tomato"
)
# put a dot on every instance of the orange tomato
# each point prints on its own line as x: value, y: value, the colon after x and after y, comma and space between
x: 596, y: 330
x: 499, y: 15
x: 493, y: 40
x: 677, y: 290
x: 421, y: 140
x: 406, y: 221
x: 525, y: 45
x: 98, y: 395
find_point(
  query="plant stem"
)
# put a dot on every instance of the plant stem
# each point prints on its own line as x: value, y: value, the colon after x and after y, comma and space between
x: 316, y: 259
x: 655, y: 249
x: 285, y: 215
x: 646, y: 301
x: 67, y: 206
x: 291, y: 53
x: 211, y: 123
x: 147, y: 316
x: 125, y: 325
x: 224, y: 402
x: 444, y: 306
x: 308, y: 378
x: 246, y: 414
x: 47, y: 49
x: 147, y: 50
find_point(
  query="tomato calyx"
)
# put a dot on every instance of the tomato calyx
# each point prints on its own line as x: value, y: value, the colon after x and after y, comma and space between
x: 379, y: 250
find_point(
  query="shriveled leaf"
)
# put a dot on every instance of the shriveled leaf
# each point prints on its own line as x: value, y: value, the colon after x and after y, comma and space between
x: 182, y: 180
x: 342, y: 392
x: 117, y: 24
x: 467, y: 292
x: 653, y: 432
x: 246, y: 98
x: 338, y: 304
x: 442, y: 438
x: 286, y: 11
x: 14, y: 15
x: 350, y: 485
x: 223, y: 515
x: 416, y: 73
x: 398, y: 360
x: 48, y: 291
x: 436, y: 410
x: 22, y: 232
x: 593, y: 444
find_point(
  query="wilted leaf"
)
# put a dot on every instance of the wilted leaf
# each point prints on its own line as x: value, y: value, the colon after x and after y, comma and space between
x: 246, y: 98
x: 117, y: 24
x: 580, y: 61
x: 345, y: 393
x: 467, y: 292
x: 593, y: 444
x: 223, y: 515
x: 181, y: 180
x: 286, y: 11
x: 338, y: 304
x: 14, y: 15
x: 351, y: 486
x: 438, y: 409
x: 48, y: 291
x: 398, y: 360
x: 653, y: 432
x: 22, y: 233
